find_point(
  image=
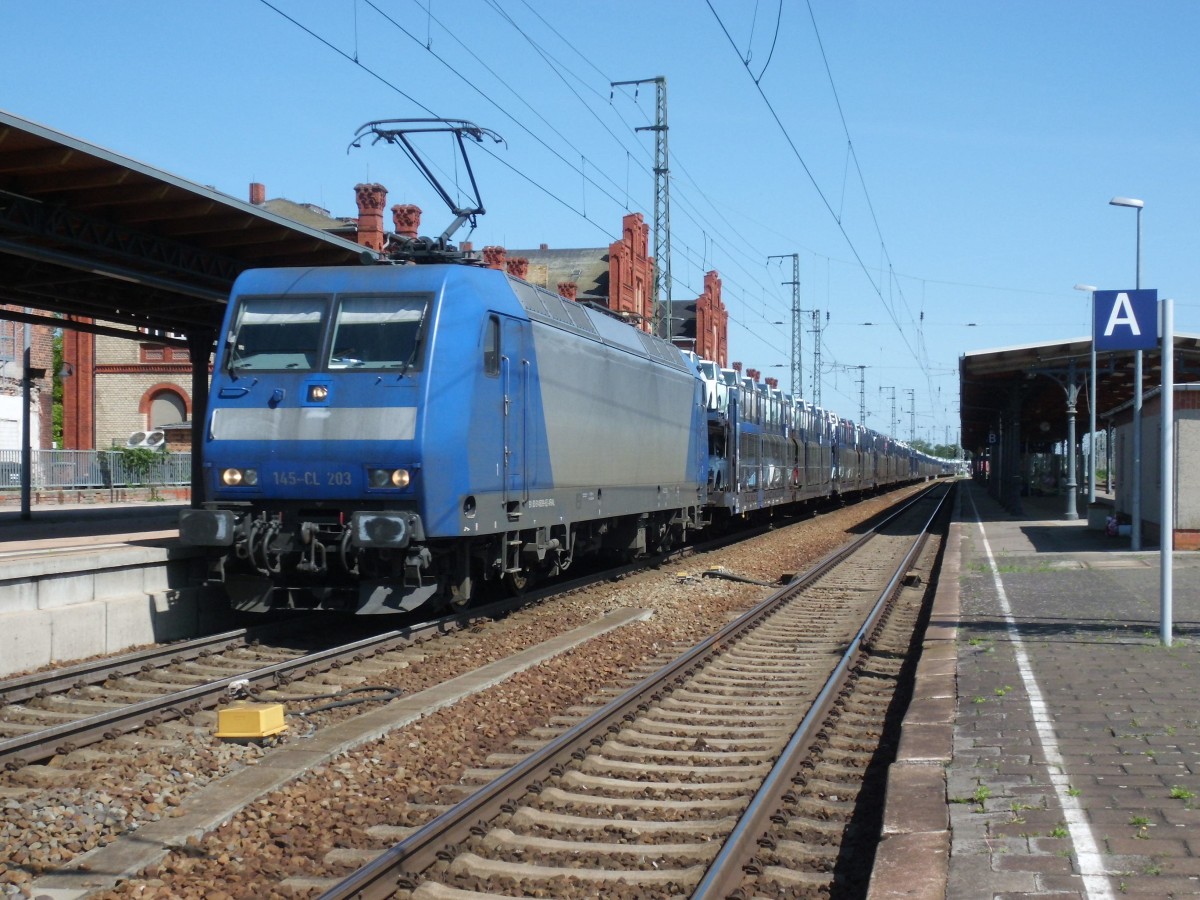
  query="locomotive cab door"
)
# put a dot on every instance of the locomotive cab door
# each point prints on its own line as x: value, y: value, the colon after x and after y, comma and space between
x: 514, y: 380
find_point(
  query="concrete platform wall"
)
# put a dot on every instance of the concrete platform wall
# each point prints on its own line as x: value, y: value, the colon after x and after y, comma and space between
x: 68, y: 606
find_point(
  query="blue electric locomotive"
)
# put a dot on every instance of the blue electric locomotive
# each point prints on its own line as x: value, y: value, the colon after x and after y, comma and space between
x: 390, y: 435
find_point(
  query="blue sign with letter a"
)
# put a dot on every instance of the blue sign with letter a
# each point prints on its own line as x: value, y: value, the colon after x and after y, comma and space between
x: 1125, y: 320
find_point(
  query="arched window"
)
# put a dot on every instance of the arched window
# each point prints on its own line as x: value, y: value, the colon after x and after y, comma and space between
x: 164, y: 406
x: 166, y: 409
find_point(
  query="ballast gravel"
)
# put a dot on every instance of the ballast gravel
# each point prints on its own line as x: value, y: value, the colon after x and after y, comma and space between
x: 51, y: 814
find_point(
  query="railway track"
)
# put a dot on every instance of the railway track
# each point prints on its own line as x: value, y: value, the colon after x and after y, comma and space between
x: 56, y: 712
x: 52, y: 681
x: 60, y: 711
x: 126, y: 792
x: 668, y: 789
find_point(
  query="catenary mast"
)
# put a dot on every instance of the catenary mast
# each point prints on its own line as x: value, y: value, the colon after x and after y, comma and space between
x: 797, y: 367
x: 663, y: 312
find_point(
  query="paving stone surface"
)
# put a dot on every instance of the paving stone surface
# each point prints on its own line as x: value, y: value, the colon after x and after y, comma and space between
x: 1073, y: 723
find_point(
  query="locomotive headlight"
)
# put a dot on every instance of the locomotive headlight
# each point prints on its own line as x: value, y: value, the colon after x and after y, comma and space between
x: 240, y: 477
x: 382, y: 478
x: 318, y: 393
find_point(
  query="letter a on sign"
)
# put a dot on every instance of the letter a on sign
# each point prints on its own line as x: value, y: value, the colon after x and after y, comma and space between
x: 1122, y: 314
x: 1125, y: 320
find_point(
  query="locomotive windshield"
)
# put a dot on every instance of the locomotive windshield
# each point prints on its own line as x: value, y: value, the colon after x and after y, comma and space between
x: 273, y: 333
x: 377, y: 332
x: 277, y: 333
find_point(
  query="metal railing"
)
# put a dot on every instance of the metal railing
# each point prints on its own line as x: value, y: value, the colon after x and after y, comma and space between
x: 92, y: 469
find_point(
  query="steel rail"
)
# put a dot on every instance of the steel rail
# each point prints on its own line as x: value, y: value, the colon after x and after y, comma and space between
x: 724, y: 873
x: 384, y: 875
x: 68, y: 736
x: 39, y: 684
x: 63, y: 738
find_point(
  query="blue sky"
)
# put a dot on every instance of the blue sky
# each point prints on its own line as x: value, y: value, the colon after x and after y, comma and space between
x: 943, y: 169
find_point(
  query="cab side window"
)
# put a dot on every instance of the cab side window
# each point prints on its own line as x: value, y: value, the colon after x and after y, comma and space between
x: 491, y: 347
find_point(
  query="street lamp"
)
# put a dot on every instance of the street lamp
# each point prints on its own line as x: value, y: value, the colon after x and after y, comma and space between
x: 1091, y: 289
x: 1138, y: 205
x: 1072, y: 391
x: 1135, y: 530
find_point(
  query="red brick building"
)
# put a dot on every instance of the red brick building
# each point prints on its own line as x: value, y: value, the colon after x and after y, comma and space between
x: 621, y: 278
x: 707, y: 321
x: 122, y: 386
x: 631, y: 272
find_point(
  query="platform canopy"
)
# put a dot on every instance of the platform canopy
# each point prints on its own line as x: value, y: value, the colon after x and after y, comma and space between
x: 1030, y: 381
x: 88, y: 232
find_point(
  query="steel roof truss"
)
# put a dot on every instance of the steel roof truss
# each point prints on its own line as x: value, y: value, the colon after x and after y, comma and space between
x: 70, y: 228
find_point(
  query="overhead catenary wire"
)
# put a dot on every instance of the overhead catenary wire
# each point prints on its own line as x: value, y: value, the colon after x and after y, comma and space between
x: 691, y: 211
x: 581, y: 168
x: 914, y: 351
x: 724, y: 247
x: 820, y: 192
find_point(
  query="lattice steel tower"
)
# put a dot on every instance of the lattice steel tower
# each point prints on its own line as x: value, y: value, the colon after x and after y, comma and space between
x: 797, y: 327
x: 862, y: 395
x: 662, y: 208
x: 816, y: 391
x: 892, y: 426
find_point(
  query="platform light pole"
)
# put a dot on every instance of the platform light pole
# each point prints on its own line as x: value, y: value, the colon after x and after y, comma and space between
x: 1072, y: 390
x: 26, y: 425
x: 1135, y: 528
x: 1091, y: 476
x: 1166, y: 543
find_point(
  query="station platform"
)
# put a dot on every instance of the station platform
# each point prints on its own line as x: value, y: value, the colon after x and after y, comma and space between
x: 1061, y: 733
x: 65, y: 525
x: 81, y: 580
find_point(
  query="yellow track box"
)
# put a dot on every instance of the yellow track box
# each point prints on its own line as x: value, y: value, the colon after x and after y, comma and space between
x: 243, y: 720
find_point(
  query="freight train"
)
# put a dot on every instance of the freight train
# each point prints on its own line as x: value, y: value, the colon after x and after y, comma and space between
x: 392, y: 435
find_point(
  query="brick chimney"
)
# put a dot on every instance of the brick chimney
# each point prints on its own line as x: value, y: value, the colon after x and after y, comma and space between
x: 494, y: 257
x: 407, y: 219
x: 518, y: 267
x: 737, y: 367
x: 258, y: 193
x: 371, y: 200
x: 568, y: 289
